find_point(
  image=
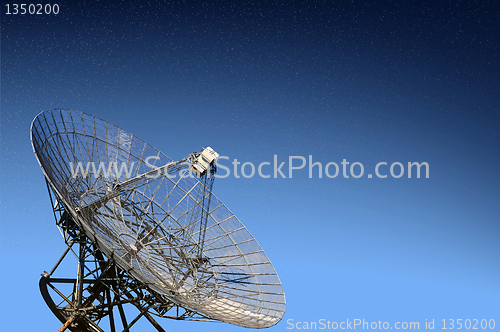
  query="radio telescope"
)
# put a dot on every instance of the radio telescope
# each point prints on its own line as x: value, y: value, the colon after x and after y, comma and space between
x: 147, y: 232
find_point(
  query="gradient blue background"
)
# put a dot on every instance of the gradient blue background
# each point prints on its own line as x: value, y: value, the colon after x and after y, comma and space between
x: 367, y: 82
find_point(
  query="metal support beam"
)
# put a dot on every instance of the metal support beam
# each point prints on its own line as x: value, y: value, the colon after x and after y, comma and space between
x: 99, y: 287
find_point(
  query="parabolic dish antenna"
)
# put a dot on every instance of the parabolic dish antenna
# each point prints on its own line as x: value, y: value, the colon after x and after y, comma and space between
x: 150, y: 232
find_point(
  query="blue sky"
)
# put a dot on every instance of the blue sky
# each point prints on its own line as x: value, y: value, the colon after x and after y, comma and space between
x: 368, y: 83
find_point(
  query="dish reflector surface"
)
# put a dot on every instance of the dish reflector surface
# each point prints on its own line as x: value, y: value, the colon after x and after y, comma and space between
x: 152, y: 231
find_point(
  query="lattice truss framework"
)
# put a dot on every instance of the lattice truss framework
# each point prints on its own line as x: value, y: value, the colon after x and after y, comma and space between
x: 101, y: 288
x: 156, y: 231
